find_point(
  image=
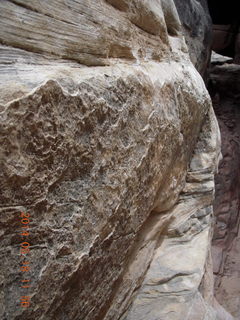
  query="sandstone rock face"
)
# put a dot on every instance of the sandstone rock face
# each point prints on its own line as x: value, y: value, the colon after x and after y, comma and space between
x: 226, y: 240
x: 197, y: 30
x: 173, y: 285
x: 101, y: 111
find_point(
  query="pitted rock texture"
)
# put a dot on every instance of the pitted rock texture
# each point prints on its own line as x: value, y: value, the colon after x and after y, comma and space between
x: 226, y: 256
x: 101, y: 110
x: 90, y: 167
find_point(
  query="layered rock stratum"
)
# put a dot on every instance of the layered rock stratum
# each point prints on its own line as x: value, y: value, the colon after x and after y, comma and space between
x: 110, y: 144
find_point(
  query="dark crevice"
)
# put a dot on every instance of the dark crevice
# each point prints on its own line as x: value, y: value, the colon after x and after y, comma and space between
x: 224, y: 89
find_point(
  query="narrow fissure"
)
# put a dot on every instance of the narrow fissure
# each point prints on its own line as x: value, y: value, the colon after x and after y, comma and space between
x: 224, y: 77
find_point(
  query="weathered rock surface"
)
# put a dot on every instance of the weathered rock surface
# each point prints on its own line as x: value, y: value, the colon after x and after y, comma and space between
x: 226, y: 240
x: 172, y: 287
x: 89, y: 34
x: 197, y: 31
x: 101, y: 111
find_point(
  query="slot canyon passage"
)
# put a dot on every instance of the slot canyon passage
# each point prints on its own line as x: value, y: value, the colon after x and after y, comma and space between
x: 120, y: 179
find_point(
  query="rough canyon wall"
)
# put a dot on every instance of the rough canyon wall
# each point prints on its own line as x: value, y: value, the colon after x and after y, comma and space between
x: 110, y: 144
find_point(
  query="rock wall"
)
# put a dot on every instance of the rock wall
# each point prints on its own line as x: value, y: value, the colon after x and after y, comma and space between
x: 101, y: 113
x: 197, y: 30
x: 174, y: 286
x: 226, y: 257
